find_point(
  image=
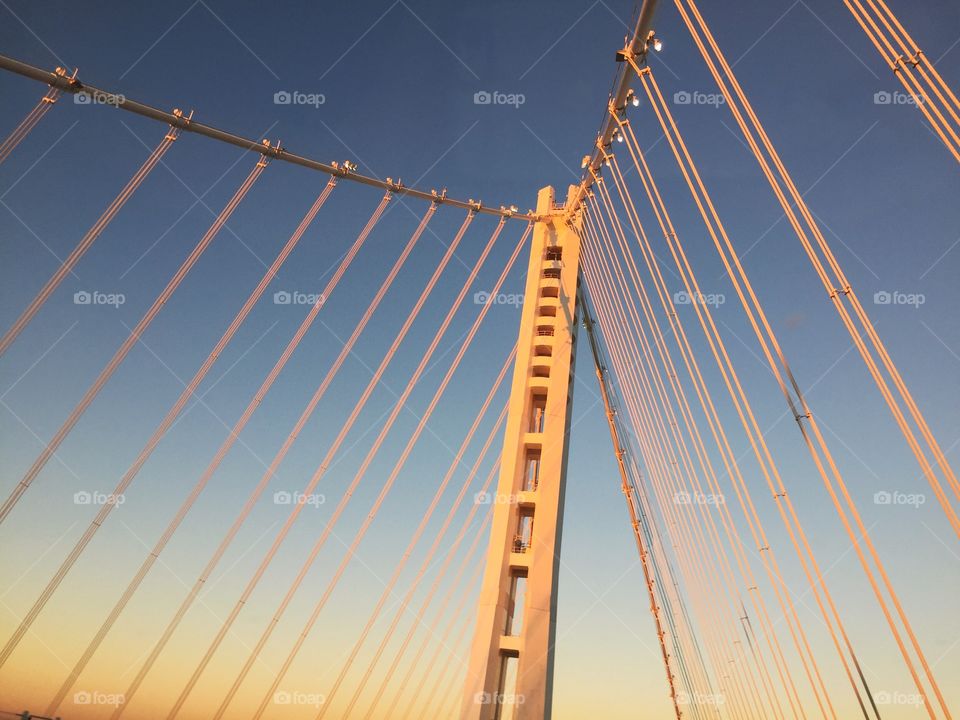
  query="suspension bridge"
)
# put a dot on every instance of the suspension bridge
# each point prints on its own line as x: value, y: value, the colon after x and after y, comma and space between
x: 740, y: 608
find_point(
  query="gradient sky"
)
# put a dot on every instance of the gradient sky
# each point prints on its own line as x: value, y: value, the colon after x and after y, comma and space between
x: 398, y: 81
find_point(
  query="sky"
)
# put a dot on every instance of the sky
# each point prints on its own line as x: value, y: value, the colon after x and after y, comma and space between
x: 398, y: 83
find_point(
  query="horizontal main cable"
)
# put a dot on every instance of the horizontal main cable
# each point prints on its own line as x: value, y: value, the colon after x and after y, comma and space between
x: 73, y: 85
x: 324, y: 464
x: 152, y: 443
x: 134, y: 336
x: 67, y: 266
x: 228, y: 443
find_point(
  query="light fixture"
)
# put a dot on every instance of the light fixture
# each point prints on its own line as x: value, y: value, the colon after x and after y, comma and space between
x: 619, y: 136
x: 654, y: 42
x: 585, y: 161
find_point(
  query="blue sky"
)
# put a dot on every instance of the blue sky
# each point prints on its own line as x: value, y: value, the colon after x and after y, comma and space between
x: 398, y: 82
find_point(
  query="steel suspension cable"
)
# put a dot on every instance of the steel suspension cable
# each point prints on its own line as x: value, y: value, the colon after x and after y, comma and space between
x: 764, y: 337
x: 305, y: 415
x: 294, y: 514
x: 653, y: 389
x: 843, y: 288
x: 690, y: 563
x: 811, y: 669
x: 903, y: 68
x: 643, y: 171
x: 452, y: 648
x: 134, y: 336
x: 910, y: 46
x: 372, y: 513
x: 680, y: 629
x: 591, y: 232
x: 29, y: 122
x: 690, y: 423
x: 663, y: 217
x: 434, y: 546
x: 678, y: 618
x: 279, y: 675
x: 664, y: 471
x: 444, y: 603
x: 690, y: 552
x: 67, y: 266
x: 646, y: 560
x: 714, y: 541
x: 425, y: 567
x: 679, y: 334
x: 152, y: 443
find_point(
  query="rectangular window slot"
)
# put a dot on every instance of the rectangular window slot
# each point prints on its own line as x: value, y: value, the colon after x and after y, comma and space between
x: 523, y: 540
x: 531, y: 470
x: 554, y: 254
x: 518, y: 594
x: 505, y: 703
x: 538, y: 411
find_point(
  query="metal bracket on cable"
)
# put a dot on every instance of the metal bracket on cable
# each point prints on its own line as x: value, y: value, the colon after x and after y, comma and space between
x: 183, y: 121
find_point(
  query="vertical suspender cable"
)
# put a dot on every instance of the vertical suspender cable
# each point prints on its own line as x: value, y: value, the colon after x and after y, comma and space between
x: 51, y: 447
x: 388, y: 484
x: 308, y: 490
x: 66, y: 267
x: 152, y: 443
x: 28, y: 123
x: 231, y: 438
